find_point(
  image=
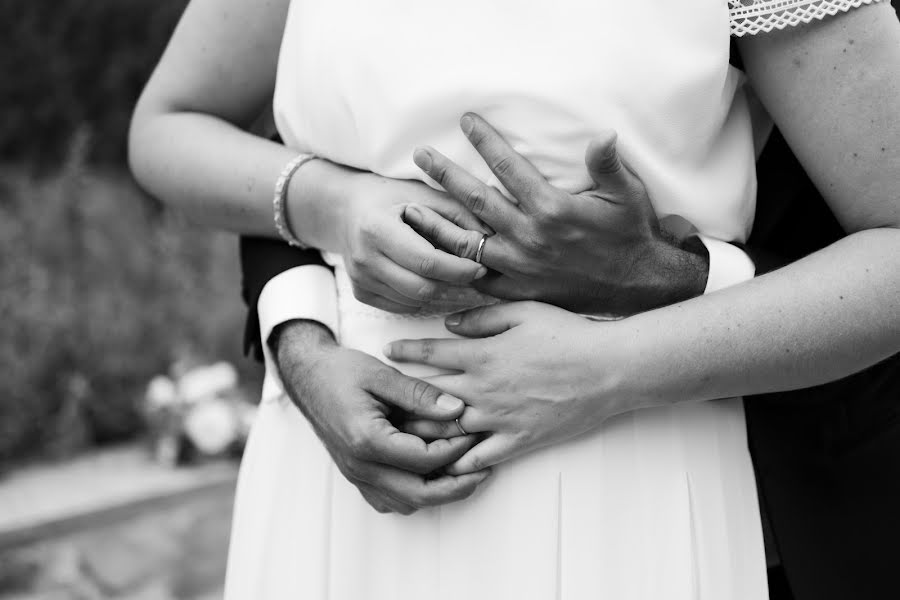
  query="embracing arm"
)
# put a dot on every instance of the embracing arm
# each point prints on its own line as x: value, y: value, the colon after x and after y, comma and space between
x: 832, y: 87
x: 823, y: 317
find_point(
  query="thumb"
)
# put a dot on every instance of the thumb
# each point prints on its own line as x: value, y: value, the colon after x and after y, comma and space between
x: 416, y: 397
x: 487, y: 321
x: 610, y: 175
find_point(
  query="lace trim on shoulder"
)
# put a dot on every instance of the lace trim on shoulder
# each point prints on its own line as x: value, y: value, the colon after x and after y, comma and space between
x: 750, y: 17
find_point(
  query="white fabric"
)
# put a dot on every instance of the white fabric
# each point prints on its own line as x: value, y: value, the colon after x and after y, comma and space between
x: 305, y: 292
x: 656, y: 504
x: 728, y: 265
x: 751, y: 17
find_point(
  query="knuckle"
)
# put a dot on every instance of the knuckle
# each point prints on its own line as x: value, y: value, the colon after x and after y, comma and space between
x: 476, y: 199
x: 360, y: 447
x: 361, y: 260
x: 426, y: 292
x: 553, y: 212
x: 369, y: 232
x: 477, y: 463
x: 426, y: 351
x: 536, y: 245
x: 427, y: 266
x: 439, y: 170
x: 482, y: 356
x: 420, y: 392
x: 503, y: 166
x: 466, y: 246
x: 353, y: 469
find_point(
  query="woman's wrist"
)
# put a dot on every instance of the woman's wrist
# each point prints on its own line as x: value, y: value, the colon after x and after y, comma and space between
x: 318, y: 200
x: 622, y: 385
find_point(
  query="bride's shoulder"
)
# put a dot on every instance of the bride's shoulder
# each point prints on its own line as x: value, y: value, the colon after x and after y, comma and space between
x: 752, y: 17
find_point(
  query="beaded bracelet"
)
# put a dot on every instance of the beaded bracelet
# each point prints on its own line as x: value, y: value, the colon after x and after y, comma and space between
x: 278, y: 202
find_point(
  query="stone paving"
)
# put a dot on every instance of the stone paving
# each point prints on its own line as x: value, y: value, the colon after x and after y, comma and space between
x: 172, y: 550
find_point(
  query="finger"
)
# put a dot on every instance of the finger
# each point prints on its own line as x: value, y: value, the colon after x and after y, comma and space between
x: 486, y: 202
x: 441, y: 353
x: 455, y: 211
x: 472, y: 421
x: 393, y: 447
x: 514, y: 171
x: 413, y: 287
x: 414, y: 396
x: 419, y: 492
x: 491, y: 320
x: 382, y: 502
x: 415, y: 254
x: 430, y: 430
x: 613, y: 180
x: 506, y: 288
x: 492, y: 451
x: 442, y: 233
x: 385, y: 299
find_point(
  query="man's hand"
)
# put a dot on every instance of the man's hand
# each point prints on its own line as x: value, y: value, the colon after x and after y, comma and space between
x: 352, y: 401
x: 599, y: 251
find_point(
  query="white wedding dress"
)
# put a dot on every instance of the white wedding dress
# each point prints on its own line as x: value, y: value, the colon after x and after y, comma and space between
x: 656, y: 504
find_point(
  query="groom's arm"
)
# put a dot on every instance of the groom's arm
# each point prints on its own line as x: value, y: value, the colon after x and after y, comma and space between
x: 303, y: 271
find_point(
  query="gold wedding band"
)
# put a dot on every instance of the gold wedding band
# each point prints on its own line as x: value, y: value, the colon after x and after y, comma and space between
x: 480, y: 251
x: 460, y: 427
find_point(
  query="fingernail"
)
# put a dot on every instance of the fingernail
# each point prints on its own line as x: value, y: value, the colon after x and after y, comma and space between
x: 449, y: 403
x: 388, y: 350
x: 413, y: 211
x: 422, y: 158
x: 467, y: 123
x: 453, y: 320
x: 481, y: 272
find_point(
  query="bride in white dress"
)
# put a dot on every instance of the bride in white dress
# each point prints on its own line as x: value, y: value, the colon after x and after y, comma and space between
x: 657, y: 503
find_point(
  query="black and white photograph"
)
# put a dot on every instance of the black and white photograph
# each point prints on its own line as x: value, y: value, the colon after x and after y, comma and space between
x: 484, y: 300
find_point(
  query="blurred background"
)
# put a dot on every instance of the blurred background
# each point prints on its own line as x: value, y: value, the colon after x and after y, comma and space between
x: 117, y: 320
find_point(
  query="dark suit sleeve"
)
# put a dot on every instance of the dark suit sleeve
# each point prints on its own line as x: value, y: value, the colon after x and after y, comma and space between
x: 261, y: 260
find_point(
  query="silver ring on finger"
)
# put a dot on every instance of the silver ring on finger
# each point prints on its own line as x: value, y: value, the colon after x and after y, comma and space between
x: 460, y: 427
x: 480, y: 252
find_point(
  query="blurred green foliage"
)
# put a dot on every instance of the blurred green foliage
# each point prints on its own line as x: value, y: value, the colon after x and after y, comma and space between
x: 76, y: 65
x: 101, y: 291
x: 101, y: 288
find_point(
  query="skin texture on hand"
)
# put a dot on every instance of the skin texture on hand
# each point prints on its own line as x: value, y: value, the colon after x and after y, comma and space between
x: 600, y: 251
x: 360, y: 215
x: 533, y: 375
x: 352, y: 401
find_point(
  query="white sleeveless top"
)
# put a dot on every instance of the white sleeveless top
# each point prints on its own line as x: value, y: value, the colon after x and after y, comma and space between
x: 363, y: 83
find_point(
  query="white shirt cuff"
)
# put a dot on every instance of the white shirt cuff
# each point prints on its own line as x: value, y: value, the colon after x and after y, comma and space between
x: 306, y: 292
x: 728, y: 265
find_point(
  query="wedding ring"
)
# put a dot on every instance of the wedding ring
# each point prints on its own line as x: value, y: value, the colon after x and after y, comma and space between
x: 460, y: 427
x: 480, y: 250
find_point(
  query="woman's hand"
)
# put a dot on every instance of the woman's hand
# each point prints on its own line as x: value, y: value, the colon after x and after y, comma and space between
x: 599, y: 251
x: 392, y: 267
x: 539, y: 376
